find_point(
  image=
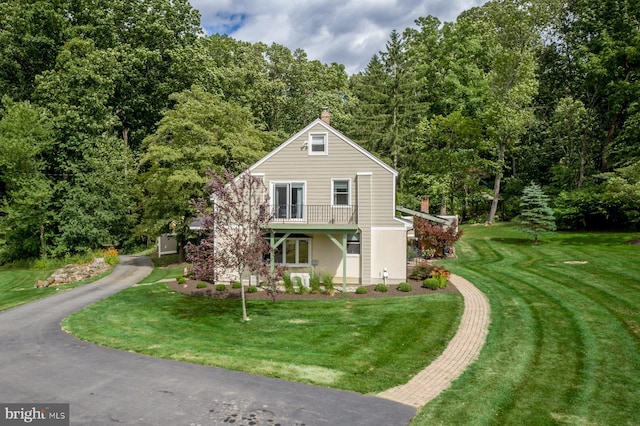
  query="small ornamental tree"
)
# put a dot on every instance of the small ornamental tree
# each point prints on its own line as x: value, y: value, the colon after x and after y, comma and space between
x: 430, y: 235
x: 231, y: 229
x: 536, y: 216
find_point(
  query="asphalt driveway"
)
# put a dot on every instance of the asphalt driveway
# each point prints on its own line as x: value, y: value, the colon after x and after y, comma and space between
x: 39, y: 363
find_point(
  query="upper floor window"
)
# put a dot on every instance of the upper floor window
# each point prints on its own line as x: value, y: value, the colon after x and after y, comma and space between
x: 318, y: 144
x: 288, y: 200
x: 341, y: 192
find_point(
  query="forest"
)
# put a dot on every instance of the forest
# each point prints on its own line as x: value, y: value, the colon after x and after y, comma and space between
x: 113, y: 112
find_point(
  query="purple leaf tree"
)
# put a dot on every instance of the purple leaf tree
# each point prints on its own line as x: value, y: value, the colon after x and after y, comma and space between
x: 232, y: 224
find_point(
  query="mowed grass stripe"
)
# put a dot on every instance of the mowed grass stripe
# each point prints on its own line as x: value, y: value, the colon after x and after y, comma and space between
x: 365, y: 345
x: 581, y: 320
x: 590, y: 307
x: 564, y: 351
x: 512, y: 356
x: 551, y: 325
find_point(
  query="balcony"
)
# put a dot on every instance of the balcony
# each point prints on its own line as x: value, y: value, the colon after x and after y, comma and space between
x: 314, y: 214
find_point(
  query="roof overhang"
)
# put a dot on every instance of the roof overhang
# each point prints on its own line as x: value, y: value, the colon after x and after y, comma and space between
x: 422, y: 215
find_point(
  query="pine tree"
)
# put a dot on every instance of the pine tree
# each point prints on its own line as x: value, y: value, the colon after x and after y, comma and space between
x: 535, y: 214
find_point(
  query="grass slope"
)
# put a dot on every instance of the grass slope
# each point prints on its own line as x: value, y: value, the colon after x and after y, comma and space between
x: 564, y: 342
x: 365, y: 345
x: 17, y: 286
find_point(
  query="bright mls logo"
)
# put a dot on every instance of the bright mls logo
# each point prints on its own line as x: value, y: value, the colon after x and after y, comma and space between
x: 34, y: 414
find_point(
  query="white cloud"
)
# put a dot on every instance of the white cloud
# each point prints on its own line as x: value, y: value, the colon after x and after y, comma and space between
x: 349, y: 32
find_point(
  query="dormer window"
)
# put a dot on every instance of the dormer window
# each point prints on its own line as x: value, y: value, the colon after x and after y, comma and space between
x: 318, y: 144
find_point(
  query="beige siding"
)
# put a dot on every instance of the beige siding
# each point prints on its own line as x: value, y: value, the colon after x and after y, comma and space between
x: 293, y: 163
x: 329, y: 259
x: 372, y: 190
x: 389, y: 250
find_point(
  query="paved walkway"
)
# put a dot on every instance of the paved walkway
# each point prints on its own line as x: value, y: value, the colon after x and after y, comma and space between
x: 461, y: 352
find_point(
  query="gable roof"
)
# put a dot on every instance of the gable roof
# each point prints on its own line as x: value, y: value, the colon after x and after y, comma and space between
x: 348, y: 141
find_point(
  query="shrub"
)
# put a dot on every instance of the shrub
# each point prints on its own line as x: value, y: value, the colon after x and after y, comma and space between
x: 201, y: 285
x: 362, y: 290
x: 439, y: 279
x: 422, y: 271
x: 442, y: 276
x: 429, y: 253
x: 111, y: 256
x: 236, y: 284
x: 221, y: 287
x: 431, y: 283
x: 181, y: 279
x: 382, y: 288
x: 314, y: 283
x: 405, y: 287
x: 435, y: 235
x: 327, y: 282
x: 252, y: 289
x: 442, y: 280
x: 301, y: 288
x: 288, y: 284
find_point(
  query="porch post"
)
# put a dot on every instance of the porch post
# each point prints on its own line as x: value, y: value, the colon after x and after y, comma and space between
x: 342, y: 247
x: 274, y: 245
x: 344, y: 263
x: 272, y: 256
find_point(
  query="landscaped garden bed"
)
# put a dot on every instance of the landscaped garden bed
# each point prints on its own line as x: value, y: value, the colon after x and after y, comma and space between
x: 190, y: 287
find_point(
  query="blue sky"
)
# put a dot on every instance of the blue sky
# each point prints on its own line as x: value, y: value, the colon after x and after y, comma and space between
x: 349, y: 32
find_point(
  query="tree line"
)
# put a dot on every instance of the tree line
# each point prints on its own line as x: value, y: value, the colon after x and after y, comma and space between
x: 113, y: 112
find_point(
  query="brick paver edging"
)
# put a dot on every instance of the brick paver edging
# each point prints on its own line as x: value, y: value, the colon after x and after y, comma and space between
x: 460, y: 353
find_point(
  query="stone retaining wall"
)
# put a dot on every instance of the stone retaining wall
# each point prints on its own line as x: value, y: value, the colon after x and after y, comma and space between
x: 73, y: 273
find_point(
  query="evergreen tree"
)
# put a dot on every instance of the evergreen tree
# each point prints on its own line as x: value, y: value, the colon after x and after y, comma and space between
x: 535, y: 214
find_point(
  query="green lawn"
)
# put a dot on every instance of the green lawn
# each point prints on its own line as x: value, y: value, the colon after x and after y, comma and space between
x: 365, y: 345
x: 564, y: 342
x: 168, y: 272
x: 17, y: 286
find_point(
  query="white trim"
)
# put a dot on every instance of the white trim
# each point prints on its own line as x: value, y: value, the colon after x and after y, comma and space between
x: 349, y: 193
x: 359, y: 245
x: 364, y: 174
x: 325, y: 137
x: 319, y: 122
x: 297, y: 250
x: 272, y: 198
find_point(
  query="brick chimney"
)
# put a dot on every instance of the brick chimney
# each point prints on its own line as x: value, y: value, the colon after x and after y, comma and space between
x: 424, y: 206
x: 325, y: 116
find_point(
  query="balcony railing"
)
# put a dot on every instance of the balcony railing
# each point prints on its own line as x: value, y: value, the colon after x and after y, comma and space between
x: 314, y: 214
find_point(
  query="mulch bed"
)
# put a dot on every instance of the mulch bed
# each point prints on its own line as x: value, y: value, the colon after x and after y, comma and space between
x: 232, y: 293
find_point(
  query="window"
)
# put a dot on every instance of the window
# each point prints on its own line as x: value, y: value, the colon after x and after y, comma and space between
x: 341, y: 192
x: 288, y: 200
x: 318, y: 144
x: 353, y: 243
x: 294, y: 251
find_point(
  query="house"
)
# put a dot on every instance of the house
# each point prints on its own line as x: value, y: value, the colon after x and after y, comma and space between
x: 333, y: 206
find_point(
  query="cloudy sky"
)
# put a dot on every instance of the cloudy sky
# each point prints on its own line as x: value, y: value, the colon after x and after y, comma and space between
x: 349, y: 32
